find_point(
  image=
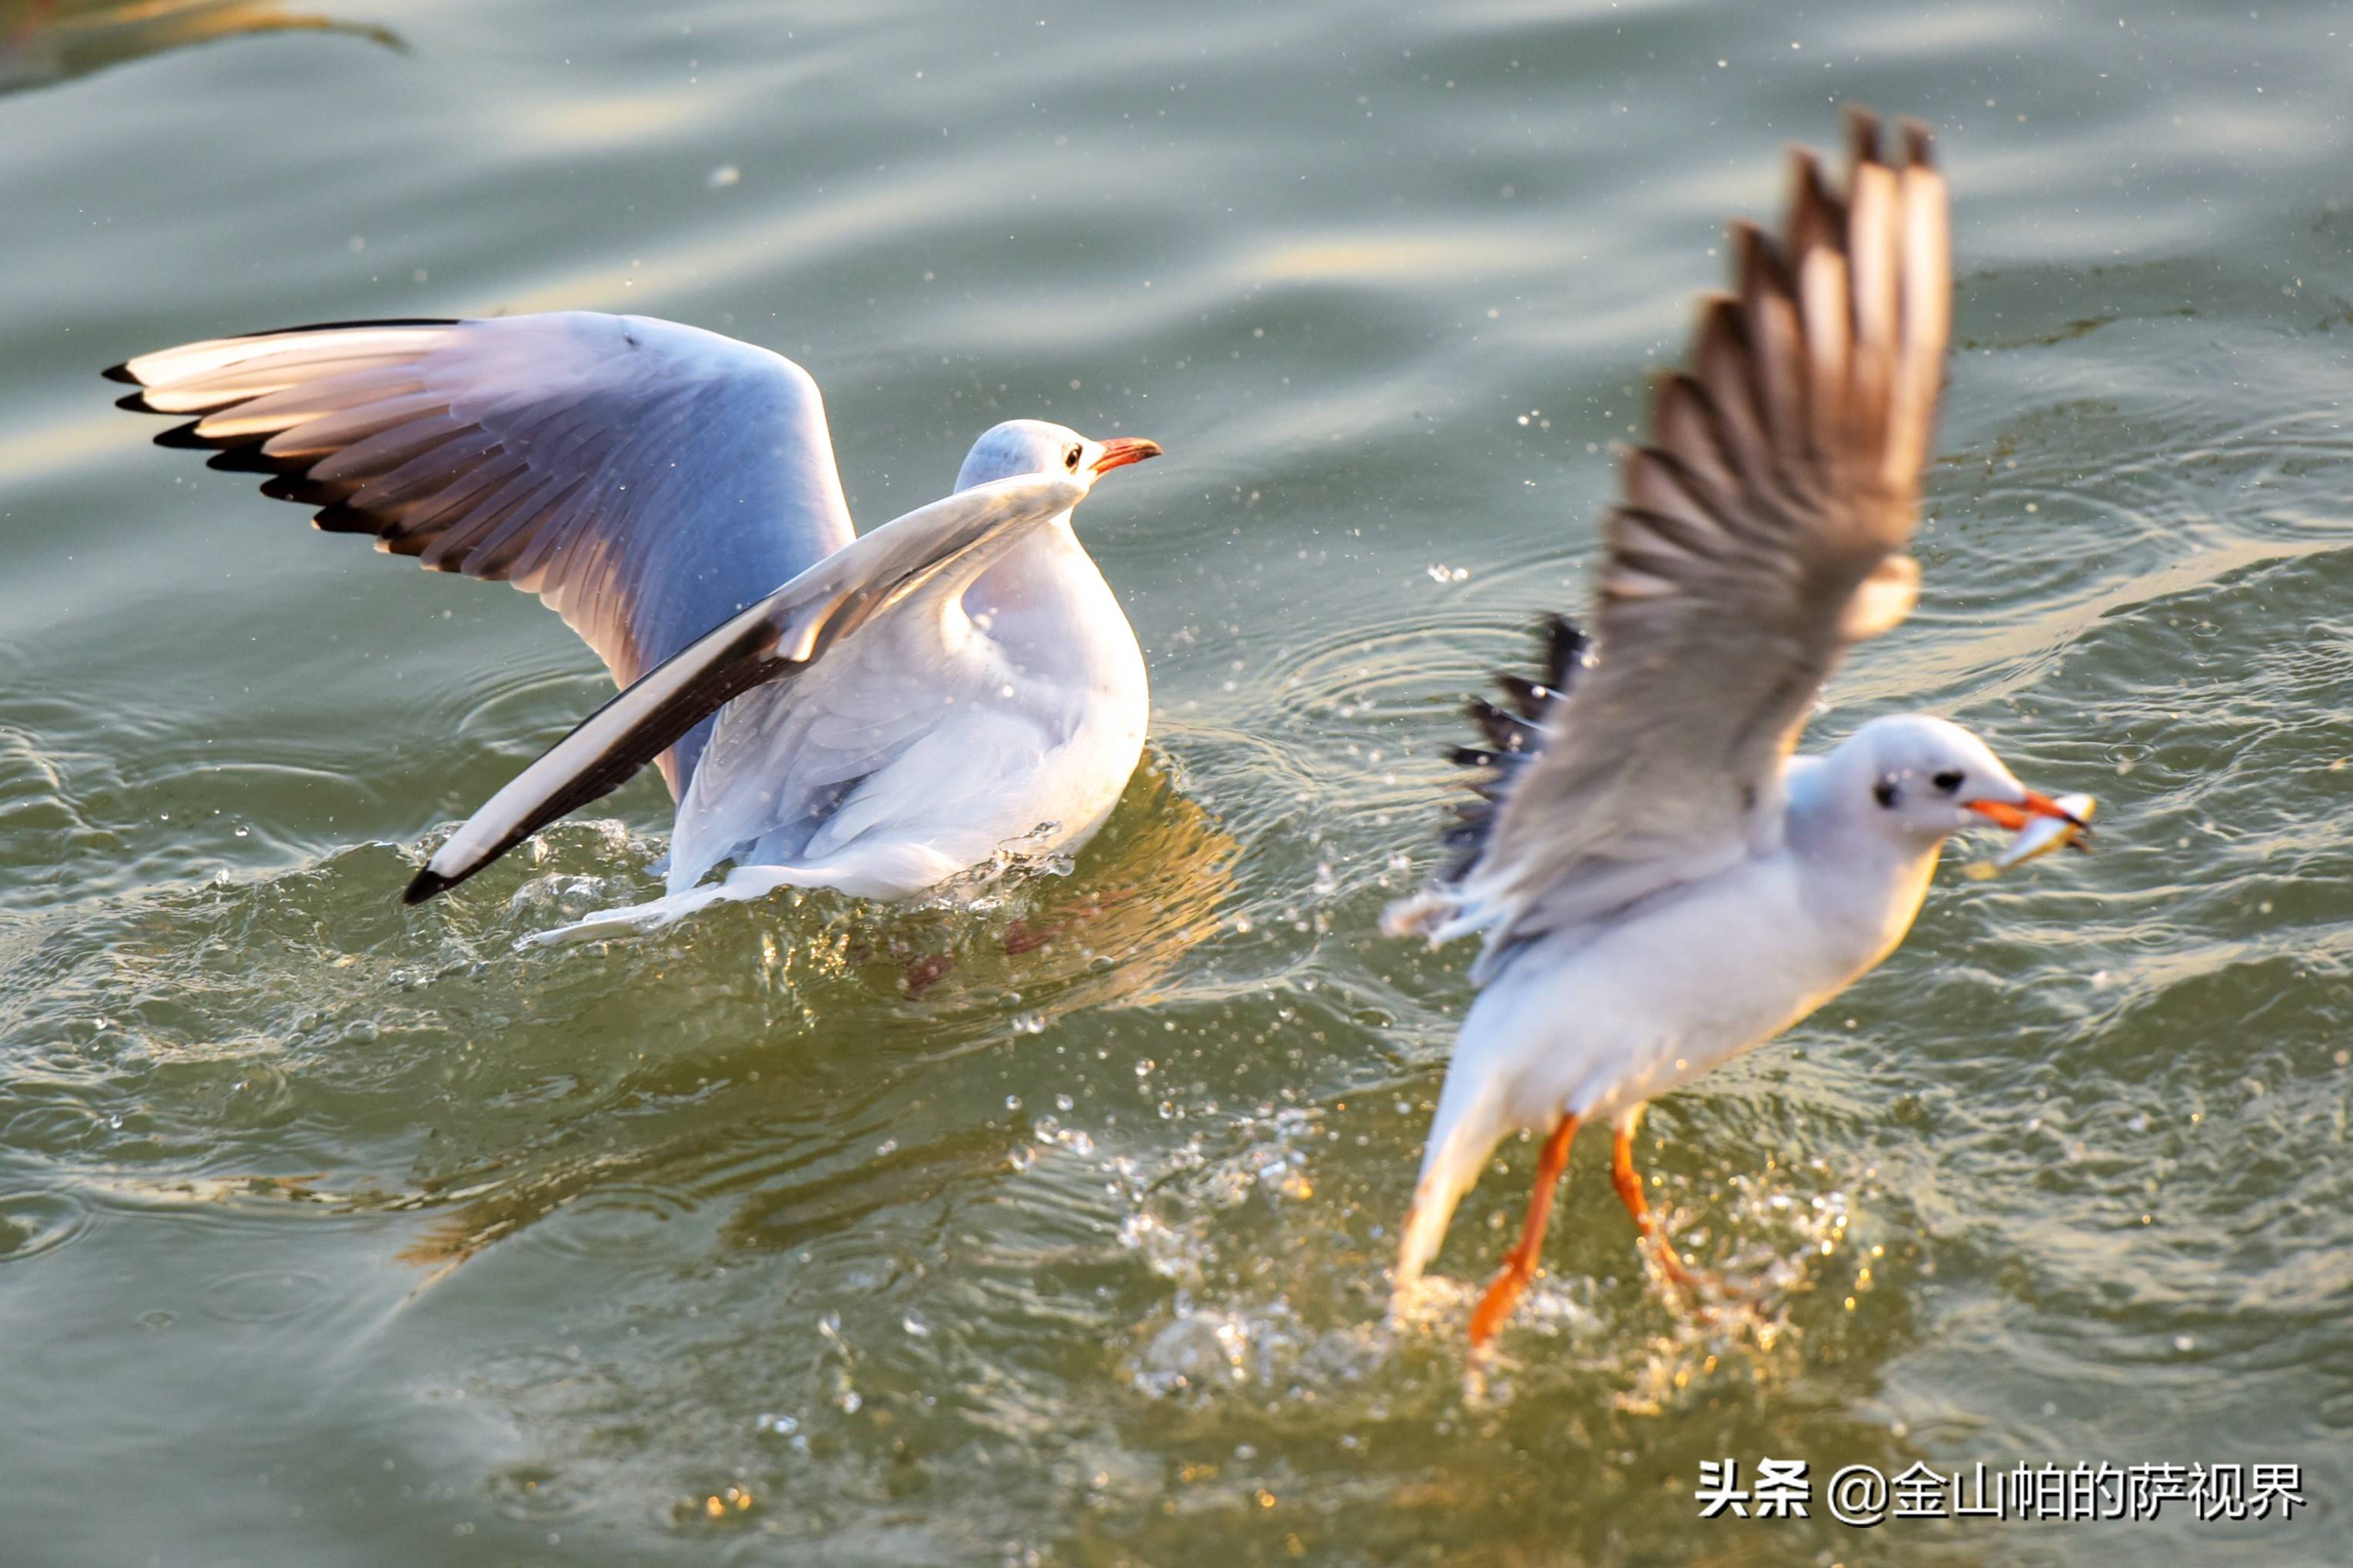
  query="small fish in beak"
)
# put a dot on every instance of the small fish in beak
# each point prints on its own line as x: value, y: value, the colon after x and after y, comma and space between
x: 2044, y: 825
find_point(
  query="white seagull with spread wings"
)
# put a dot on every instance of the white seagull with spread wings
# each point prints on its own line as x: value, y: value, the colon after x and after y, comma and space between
x: 1661, y: 884
x: 875, y: 713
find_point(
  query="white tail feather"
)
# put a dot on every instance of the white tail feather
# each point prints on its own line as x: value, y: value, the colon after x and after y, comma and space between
x: 1471, y: 1121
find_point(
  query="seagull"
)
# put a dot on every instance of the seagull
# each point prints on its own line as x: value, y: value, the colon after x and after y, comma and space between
x: 1660, y: 883
x: 876, y: 713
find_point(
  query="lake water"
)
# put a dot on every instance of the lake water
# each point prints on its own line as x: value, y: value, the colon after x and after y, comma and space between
x: 336, y: 1233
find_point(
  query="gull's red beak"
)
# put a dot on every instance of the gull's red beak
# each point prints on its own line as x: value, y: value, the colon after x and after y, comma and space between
x: 1125, y: 449
x: 2015, y: 817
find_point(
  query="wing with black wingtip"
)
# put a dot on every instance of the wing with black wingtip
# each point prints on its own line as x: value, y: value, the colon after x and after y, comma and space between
x: 647, y: 480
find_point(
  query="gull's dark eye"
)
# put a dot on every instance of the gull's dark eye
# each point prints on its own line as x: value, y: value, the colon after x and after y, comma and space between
x: 1949, y: 781
x: 1885, y: 793
x: 1070, y: 460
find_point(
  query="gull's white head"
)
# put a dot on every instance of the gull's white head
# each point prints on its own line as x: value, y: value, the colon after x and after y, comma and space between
x: 1921, y: 778
x: 1036, y: 447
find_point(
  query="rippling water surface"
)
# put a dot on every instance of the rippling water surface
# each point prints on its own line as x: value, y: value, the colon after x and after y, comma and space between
x: 1055, y: 1229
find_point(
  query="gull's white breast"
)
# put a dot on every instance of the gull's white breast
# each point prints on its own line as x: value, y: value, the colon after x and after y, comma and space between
x: 1599, y: 1018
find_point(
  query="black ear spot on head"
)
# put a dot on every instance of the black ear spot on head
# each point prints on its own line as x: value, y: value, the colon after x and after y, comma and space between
x: 1885, y: 793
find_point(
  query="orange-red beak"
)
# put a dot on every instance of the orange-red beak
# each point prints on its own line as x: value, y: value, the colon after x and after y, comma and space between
x: 1125, y: 449
x: 2014, y: 816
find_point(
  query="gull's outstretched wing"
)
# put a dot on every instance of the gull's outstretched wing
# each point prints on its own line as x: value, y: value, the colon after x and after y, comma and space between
x: 1761, y: 533
x: 647, y: 480
x: 773, y: 640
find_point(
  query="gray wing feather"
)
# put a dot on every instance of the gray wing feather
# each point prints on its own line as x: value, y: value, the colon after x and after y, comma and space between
x: 647, y: 480
x: 1760, y: 533
x: 774, y: 639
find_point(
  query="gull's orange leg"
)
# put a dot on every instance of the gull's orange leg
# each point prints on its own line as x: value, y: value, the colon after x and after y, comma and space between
x: 1503, y: 1290
x: 1628, y: 1181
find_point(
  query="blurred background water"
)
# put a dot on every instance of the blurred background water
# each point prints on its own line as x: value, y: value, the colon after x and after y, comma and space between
x: 336, y: 1233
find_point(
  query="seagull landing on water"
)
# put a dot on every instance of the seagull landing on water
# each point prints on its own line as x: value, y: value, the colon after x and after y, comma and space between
x: 874, y: 712
x: 1660, y: 883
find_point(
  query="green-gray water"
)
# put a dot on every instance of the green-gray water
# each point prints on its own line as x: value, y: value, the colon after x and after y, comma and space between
x: 336, y: 1233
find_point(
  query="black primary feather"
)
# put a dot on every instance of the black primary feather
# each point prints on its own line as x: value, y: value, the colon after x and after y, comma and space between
x: 1512, y: 738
